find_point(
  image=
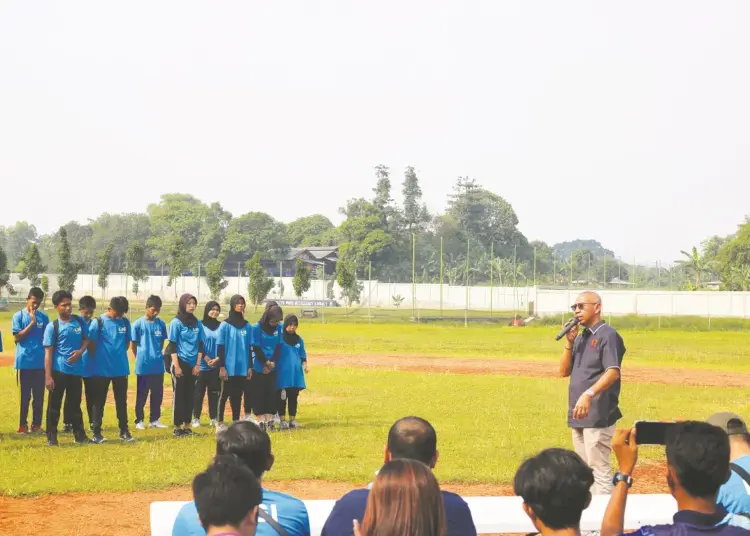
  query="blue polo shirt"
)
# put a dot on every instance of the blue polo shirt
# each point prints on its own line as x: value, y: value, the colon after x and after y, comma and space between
x: 149, y: 336
x: 70, y: 337
x: 30, y: 349
x: 689, y: 523
x: 111, y: 358
x: 90, y: 366
x: 210, y: 346
x: 236, y: 342
x: 186, y: 339
x: 266, y: 342
x: 288, y: 512
x: 734, y: 495
x: 352, y: 506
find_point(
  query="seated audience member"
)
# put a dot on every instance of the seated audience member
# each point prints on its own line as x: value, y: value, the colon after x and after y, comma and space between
x: 555, y: 486
x: 252, y: 445
x: 410, y: 438
x: 227, y: 496
x: 405, y: 500
x: 734, y: 495
x: 697, y: 466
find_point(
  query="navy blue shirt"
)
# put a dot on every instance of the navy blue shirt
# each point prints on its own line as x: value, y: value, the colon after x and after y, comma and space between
x: 689, y: 523
x: 352, y: 506
x: 595, y: 351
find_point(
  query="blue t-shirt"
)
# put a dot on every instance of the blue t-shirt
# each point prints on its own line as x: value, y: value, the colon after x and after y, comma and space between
x: 89, y: 365
x: 29, y: 350
x: 352, y: 506
x: 689, y: 523
x: 111, y: 357
x: 186, y: 339
x: 288, y: 512
x: 236, y: 342
x: 70, y: 337
x: 210, y: 346
x: 289, y: 371
x: 266, y: 342
x: 734, y: 495
x: 149, y: 335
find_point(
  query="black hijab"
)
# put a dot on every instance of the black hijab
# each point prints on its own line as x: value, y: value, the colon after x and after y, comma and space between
x: 273, y: 312
x: 211, y: 323
x: 269, y: 304
x: 235, y: 319
x: 292, y: 339
x: 186, y: 318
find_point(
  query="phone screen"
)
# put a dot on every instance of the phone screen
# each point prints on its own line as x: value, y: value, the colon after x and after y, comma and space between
x: 652, y: 432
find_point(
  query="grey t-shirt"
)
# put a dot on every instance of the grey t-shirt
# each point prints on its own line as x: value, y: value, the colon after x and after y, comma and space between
x: 595, y: 351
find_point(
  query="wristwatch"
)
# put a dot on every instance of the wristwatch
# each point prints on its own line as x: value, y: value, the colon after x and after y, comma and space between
x: 619, y: 477
x: 590, y: 393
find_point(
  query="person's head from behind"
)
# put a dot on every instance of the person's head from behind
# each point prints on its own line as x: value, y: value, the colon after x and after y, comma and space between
x: 118, y: 307
x: 34, y: 298
x: 736, y: 429
x: 62, y: 300
x: 249, y: 443
x: 697, y: 460
x: 555, y: 487
x: 291, y: 323
x: 405, y: 500
x: 412, y: 438
x: 86, y: 307
x: 153, y: 307
x: 588, y: 308
x: 227, y: 496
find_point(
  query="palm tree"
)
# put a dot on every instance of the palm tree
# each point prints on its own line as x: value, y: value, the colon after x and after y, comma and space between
x: 740, y: 277
x: 696, y: 265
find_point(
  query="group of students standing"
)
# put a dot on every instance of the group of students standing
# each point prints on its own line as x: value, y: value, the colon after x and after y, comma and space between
x: 264, y: 362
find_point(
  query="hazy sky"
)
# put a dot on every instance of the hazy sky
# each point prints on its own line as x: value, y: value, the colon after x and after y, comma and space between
x: 627, y: 122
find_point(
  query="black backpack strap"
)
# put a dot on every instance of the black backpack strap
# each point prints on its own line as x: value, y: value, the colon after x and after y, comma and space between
x: 744, y: 475
x: 271, y: 521
x: 55, y: 332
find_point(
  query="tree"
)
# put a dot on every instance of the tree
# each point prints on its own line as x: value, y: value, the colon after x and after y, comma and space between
x: 215, y: 277
x: 121, y: 230
x: 104, y: 267
x: 308, y: 231
x: 177, y: 259
x: 5, y: 274
x: 694, y: 264
x: 45, y: 288
x: 302, y: 280
x: 19, y: 237
x: 255, y: 232
x: 382, y: 188
x: 364, y: 238
x: 415, y: 212
x: 31, y: 266
x: 67, y: 269
x: 346, y: 277
x: 134, y: 267
x: 260, y: 283
x: 177, y: 218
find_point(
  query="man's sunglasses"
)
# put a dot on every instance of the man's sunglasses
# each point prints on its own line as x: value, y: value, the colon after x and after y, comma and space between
x: 576, y: 306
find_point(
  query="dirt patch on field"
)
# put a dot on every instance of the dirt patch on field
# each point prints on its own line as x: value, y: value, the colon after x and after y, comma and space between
x: 127, y: 514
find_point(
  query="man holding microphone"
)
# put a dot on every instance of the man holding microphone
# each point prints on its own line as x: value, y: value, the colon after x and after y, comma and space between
x: 592, y: 360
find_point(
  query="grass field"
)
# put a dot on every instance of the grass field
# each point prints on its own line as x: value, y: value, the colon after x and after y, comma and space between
x: 486, y: 423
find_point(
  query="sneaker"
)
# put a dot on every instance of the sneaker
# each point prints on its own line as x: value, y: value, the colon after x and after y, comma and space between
x: 67, y: 429
x: 220, y: 427
x: 52, y: 440
x: 36, y: 429
x: 292, y: 424
x: 187, y: 432
x: 270, y: 427
x: 23, y: 430
x: 159, y: 424
x: 140, y: 425
x: 125, y: 436
x: 284, y: 425
x: 82, y: 439
x: 276, y: 419
x: 213, y: 423
x: 248, y: 417
x: 178, y: 432
x: 98, y: 438
x: 262, y: 425
x: 196, y: 423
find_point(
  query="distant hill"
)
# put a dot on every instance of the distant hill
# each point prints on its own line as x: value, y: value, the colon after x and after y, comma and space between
x: 566, y: 249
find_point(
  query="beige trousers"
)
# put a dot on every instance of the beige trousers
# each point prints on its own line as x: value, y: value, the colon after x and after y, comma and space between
x: 594, y: 445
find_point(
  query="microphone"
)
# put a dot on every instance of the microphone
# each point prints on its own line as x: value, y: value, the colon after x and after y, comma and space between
x: 573, y: 322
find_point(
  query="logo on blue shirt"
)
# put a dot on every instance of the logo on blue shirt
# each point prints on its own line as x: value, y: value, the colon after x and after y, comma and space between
x: 122, y: 329
x: 157, y: 332
x: 77, y: 330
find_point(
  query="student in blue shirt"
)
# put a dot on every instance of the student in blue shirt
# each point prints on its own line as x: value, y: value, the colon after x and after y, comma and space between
x: 28, y: 327
x: 208, y: 379
x: 86, y: 310
x: 253, y: 446
x: 185, y: 348
x: 64, y: 341
x: 234, y: 358
x: 266, y: 340
x: 111, y: 359
x: 290, y: 372
x: 147, y: 345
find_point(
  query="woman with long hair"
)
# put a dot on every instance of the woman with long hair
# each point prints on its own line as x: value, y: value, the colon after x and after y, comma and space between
x: 208, y: 380
x: 405, y: 500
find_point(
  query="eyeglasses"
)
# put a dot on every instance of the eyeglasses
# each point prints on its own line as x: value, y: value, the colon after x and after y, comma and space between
x: 577, y: 306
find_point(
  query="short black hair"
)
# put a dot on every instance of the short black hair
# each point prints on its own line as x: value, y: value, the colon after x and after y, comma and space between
x: 35, y: 292
x: 87, y: 302
x: 698, y: 453
x: 153, y: 301
x: 225, y: 493
x: 412, y: 438
x: 61, y: 295
x: 249, y: 443
x: 119, y: 304
x: 556, y: 485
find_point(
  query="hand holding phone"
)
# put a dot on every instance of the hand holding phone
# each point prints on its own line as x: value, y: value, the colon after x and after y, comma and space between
x: 653, y: 432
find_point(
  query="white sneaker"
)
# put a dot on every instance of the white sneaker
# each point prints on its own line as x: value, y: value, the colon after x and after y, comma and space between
x: 248, y: 417
x: 220, y: 427
x: 158, y: 424
x: 213, y: 422
x: 284, y: 425
x: 276, y: 419
x: 195, y: 424
x: 140, y: 426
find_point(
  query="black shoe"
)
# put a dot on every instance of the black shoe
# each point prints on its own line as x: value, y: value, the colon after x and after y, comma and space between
x: 270, y: 427
x: 52, y: 440
x: 67, y: 428
x: 125, y: 436
x: 262, y: 426
x: 98, y: 438
x: 187, y: 432
x: 179, y: 432
x: 82, y: 439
